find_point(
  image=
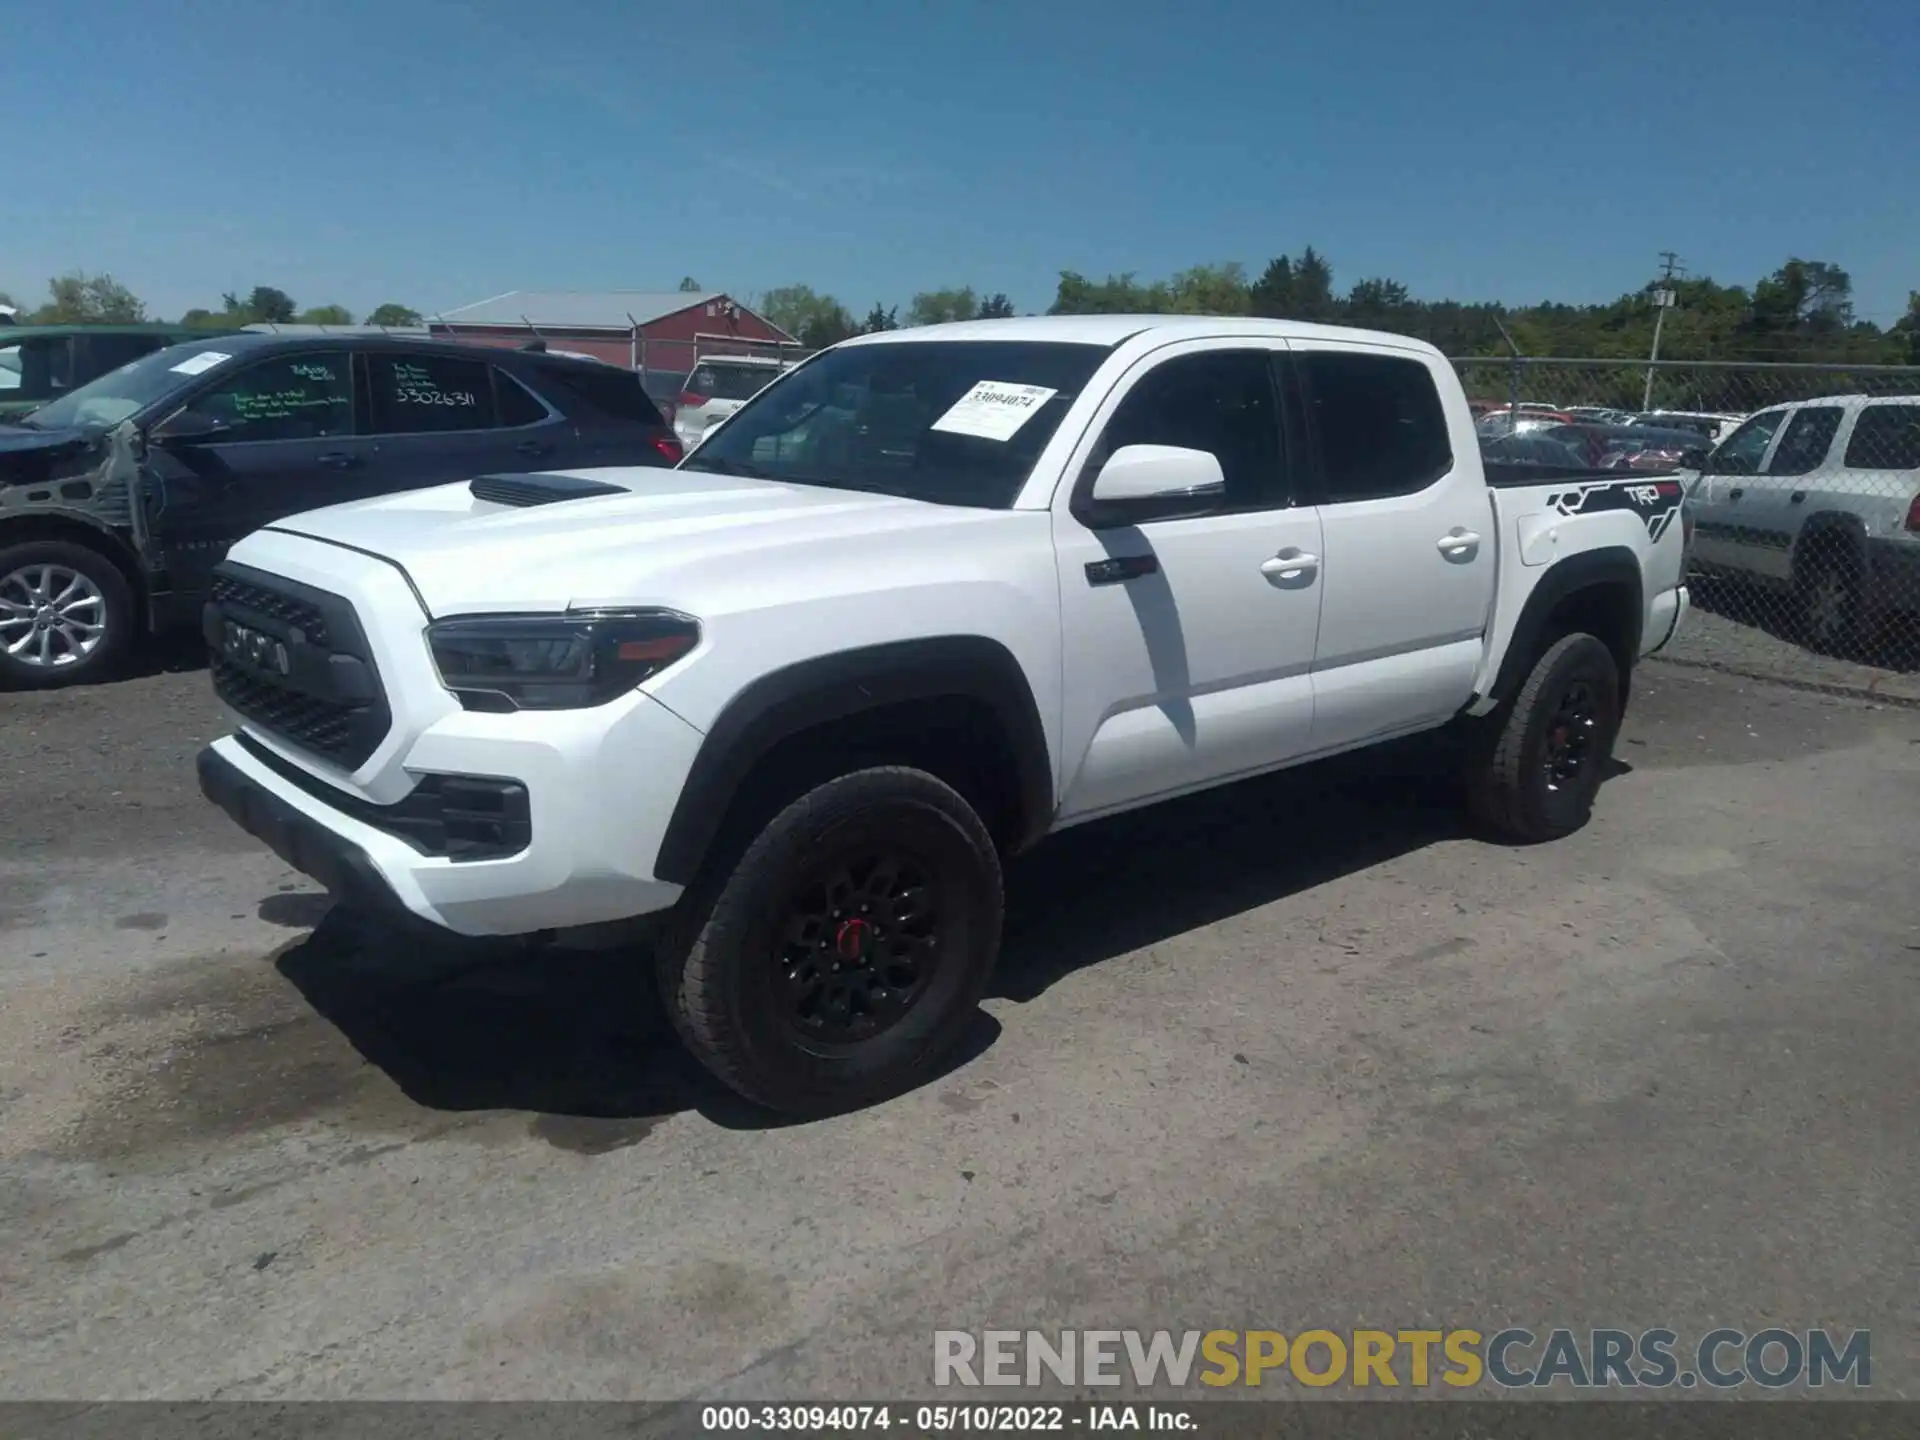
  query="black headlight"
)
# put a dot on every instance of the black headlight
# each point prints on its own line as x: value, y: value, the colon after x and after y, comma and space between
x: 556, y: 662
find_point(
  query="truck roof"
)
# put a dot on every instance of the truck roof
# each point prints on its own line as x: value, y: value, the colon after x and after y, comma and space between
x: 1112, y: 330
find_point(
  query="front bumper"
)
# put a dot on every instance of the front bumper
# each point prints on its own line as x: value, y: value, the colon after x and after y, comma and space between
x: 344, y: 868
x: 597, y: 797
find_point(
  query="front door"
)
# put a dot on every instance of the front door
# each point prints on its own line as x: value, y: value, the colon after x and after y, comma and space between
x: 1188, y: 641
x: 1408, y: 539
x: 285, y: 443
x: 1726, y: 499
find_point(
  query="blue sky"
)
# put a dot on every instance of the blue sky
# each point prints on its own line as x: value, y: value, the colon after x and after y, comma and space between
x: 439, y: 151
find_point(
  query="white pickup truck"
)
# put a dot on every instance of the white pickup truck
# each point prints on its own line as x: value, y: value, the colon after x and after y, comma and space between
x: 927, y: 598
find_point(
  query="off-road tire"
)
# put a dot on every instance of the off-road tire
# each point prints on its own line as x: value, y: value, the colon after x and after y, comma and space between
x: 719, y: 962
x: 1829, y: 595
x: 109, y: 653
x: 1511, y: 791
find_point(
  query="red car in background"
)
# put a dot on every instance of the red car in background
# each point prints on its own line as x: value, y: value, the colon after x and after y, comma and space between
x: 1632, y: 447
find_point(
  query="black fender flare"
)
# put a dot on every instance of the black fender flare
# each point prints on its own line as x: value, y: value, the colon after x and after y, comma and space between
x: 837, y: 686
x: 17, y: 517
x: 1610, y: 565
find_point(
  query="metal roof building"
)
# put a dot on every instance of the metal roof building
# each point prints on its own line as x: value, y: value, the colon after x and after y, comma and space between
x: 658, y: 330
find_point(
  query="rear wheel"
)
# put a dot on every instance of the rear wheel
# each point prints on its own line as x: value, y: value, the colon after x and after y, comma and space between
x: 1829, y: 590
x: 846, y: 953
x: 66, y: 614
x: 1537, y: 765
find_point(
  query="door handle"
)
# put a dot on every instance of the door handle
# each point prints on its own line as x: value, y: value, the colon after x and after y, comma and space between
x: 532, y: 447
x: 1799, y: 497
x: 1735, y: 494
x: 1457, y: 543
x: 338, y: 460
x: 1291, y: 564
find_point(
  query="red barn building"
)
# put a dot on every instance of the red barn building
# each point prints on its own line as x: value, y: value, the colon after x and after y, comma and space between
x: 655, y: 331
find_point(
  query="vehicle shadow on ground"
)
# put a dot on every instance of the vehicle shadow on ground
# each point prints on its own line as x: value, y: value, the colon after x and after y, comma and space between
x: 1121, y: 884
x: 1894, y: 646
x: 579, y: 1039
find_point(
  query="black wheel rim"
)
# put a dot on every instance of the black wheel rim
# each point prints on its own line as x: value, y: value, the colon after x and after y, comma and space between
x: 1573, y: 732
x: 859, y: 944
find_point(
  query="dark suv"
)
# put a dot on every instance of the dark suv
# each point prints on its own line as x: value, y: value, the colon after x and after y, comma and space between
x: 117, y: 500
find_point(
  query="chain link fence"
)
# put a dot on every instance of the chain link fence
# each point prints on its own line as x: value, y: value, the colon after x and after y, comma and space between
x: 1803, y: 487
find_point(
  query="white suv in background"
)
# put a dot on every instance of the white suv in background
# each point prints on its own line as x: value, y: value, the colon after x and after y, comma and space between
x: 1819, y: 499
x: 718, y: 386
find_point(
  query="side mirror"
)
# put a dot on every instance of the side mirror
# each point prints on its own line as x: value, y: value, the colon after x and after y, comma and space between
x: 1157, y: 482
x: 1696, y: 458
x: 187, y: 427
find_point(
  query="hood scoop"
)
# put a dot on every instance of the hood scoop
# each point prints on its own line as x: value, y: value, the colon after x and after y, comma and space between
x: 521, y: 491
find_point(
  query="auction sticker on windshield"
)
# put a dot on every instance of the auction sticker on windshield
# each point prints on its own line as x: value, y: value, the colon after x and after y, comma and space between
x: 201, y: 363
x: 994, y: 410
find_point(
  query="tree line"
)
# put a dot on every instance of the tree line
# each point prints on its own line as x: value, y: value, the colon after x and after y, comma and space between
x: 82, y: 299
x: 1802, y: 312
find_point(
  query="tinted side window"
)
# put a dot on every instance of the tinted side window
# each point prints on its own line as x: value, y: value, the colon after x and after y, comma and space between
x: 1740, y: 452
x: 1221, y: 402
x: 36, y: 369
x: 1379, y: 424
x: 1807, y: 440
x: 103, y: 354
x: 615, y: 393
x: 416, y: 394
x: 516, y: 404
x: 1885, y: 437
x: 291, y: 397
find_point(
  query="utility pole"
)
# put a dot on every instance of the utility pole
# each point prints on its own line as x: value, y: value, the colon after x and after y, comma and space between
x: 1663, y: 301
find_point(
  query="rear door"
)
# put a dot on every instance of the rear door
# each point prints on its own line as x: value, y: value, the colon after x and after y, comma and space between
x: 1788, y: 489
x: 436, y: 419
x: 1409, y: 548
x: 286, y: 443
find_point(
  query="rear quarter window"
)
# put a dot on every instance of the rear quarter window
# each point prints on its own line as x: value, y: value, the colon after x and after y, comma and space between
x: 602, y: 390
x: 1885, y: 437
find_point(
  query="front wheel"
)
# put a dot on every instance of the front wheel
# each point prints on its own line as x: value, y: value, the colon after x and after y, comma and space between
x: 1537, y: 765
x: 846, y: 953
x: 66, y: 614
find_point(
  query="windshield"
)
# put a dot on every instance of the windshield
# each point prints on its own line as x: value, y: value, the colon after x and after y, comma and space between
x: 954, y: 422
x: 127, y: 391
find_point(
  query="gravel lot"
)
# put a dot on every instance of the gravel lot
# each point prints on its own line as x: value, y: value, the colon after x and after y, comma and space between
x: 1293, y: 1054
x: 1751, y: 633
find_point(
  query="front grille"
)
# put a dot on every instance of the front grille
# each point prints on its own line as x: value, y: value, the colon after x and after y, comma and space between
x: 231, y: 592
x: 323, y: 726
x: 305, y: 674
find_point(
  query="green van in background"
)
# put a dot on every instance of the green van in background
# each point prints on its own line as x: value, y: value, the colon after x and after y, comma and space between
x: 39, y: 363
